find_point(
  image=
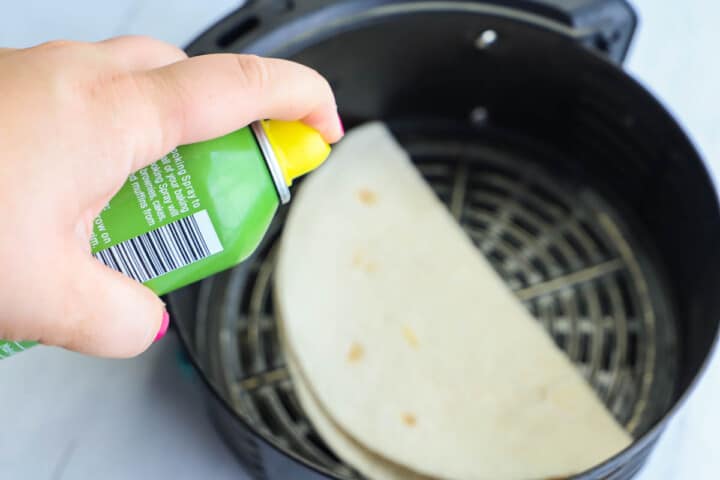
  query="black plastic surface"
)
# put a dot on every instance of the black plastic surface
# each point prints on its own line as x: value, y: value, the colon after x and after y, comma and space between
x: 420, y: 61
x: 605, y: 25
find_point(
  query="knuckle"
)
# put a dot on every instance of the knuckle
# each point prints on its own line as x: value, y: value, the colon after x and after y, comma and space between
x: 62, y: 325
x: 137, y: 38
x: 59, y: 44
x: 69, y: 68
x: 74, y: 322
x: 107, y: 90
x: 105, y: 103
x: 163, y: 102
x: 151, y: 43
x: 254, y: 71
x: 68, y: 54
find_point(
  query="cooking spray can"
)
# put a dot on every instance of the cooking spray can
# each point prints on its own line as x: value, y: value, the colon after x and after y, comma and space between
x: 202, y: 208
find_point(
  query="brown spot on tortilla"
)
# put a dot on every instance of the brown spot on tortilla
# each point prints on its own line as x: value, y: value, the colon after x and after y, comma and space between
x: 542, y: 393
x: 409, y: 419
x: 367, y: 196
x: 359, y: 261
x: 410, y: 336
x: 355, y: 353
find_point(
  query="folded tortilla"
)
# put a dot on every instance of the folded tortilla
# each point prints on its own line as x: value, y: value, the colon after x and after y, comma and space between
x: 411, y: 344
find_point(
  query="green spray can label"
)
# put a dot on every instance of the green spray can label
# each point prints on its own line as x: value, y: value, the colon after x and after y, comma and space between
x: 202, y: 208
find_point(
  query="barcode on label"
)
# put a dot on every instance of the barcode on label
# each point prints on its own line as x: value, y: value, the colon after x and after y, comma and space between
x: 9, y: 348
x: 164, y: 249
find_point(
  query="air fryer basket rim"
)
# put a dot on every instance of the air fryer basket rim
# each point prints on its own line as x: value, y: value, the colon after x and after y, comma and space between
x: 637, y: 445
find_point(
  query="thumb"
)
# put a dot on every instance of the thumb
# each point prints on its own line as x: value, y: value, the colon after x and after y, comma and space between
x: 106, y: 313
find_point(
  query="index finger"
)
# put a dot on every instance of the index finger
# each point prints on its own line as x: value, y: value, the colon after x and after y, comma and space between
x: 211, y: 95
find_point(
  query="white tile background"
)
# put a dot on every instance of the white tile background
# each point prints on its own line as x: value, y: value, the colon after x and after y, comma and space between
x: 64, y: 416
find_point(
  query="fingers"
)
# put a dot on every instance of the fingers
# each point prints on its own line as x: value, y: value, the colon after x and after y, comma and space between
x: 211, y: 95
x: 107, y: 314
x: 135, y: 52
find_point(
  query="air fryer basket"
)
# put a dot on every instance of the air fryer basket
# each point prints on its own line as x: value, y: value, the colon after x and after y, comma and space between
x: 578, y: 187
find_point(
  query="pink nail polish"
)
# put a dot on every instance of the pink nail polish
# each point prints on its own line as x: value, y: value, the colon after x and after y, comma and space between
x: 342, y: 127
x: 163, y: 326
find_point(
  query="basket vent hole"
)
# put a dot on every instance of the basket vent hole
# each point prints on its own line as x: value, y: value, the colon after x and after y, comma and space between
x: 576, y: 246
x: 518, y: 280
x: 247, y: 293
x: 626, y: 296
x: 487, y: 186
x: 593, y: 235
x: 511, y: 240
x: 550, y: 199
x: 315, y: 439
x: 271, y: 355
x: 496, y: 257
x: 484, y: 205
x: 540, y: 267
x: 605, y: 304
x: 246, y: 350
x: 582, y: 306
x: 559, y: 258
x: 268, y: 415
x: 584, y: 354
x: 537, y: 211
x: 290, y: 404
x: 607, y: 351
x: 477, y: 225
x: 632, y: 352
x: 268, y: 303
x: 525, y: 225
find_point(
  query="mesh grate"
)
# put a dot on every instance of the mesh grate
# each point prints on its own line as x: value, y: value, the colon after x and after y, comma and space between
x: 563, y: 253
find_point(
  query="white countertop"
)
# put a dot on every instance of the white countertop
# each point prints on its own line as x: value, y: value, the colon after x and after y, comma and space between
x: 65, y: 416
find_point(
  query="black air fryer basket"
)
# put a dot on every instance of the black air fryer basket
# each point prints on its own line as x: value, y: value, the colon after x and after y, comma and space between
x: 581, y: 190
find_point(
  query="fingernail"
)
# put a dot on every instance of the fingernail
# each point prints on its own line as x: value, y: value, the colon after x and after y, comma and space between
x: 163, y: 326
x: 342, y: 127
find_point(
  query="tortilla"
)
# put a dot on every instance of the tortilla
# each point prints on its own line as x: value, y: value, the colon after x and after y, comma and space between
x: 411, y: 343
x: 349, y: 450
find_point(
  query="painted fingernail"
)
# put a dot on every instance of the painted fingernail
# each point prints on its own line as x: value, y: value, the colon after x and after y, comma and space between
x: 163, y: 326
x: 342, y: 127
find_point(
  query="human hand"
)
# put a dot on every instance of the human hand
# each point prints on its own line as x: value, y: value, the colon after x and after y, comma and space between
x: 76, y: 119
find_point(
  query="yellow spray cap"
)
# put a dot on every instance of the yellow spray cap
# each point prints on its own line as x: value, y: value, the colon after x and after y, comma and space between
x: 299, y: 149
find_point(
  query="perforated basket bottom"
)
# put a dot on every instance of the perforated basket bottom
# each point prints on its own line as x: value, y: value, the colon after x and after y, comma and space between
x: 560, y: 248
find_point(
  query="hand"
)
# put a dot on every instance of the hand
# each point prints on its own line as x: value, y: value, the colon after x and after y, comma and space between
x: 75, y: 120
